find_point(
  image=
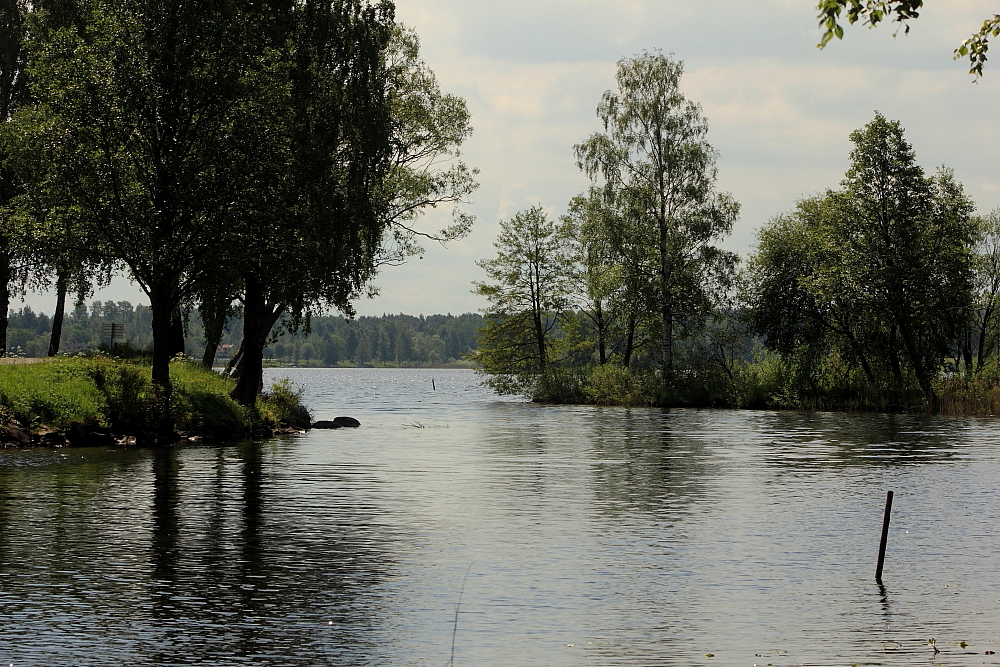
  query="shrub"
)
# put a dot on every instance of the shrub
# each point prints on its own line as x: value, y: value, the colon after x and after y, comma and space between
x: 200, y: 401
x: 560, y: 385
x: 282, y: 405
x: 614, y: 385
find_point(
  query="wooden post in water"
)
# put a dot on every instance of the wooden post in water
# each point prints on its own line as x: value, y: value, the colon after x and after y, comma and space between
x: 885, y: 537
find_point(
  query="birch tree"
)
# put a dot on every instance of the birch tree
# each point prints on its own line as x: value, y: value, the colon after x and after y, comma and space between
x: 653, y: 162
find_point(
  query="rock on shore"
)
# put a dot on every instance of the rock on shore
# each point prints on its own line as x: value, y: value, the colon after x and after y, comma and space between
x: 338, y: 422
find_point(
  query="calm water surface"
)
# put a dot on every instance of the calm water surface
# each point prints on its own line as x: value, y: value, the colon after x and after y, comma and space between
x: 560, y: 535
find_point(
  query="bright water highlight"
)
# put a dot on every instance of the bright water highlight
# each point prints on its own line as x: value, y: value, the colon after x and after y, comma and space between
x: 582, y: 535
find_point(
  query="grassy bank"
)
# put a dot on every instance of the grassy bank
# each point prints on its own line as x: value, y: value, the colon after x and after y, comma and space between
x: 98, y: 399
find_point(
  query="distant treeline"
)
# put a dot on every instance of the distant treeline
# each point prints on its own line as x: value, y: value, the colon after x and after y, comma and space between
x: 404, y: 340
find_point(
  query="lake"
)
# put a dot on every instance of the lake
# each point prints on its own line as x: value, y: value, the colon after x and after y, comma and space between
x: 458, y: 528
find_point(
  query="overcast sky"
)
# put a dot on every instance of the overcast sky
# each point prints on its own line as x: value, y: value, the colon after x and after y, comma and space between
x: 779, y: 109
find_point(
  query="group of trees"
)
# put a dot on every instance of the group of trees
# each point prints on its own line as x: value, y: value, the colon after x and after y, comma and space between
x: 266, y: 157
x: 390, y: 340
x: 636, y: 254
x: 330, y: 340
x: 887, y: 276
x: 881, y: 272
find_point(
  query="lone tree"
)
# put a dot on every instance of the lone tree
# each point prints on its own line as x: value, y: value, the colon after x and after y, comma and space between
x: 653, y: 164
x: 369, y: 144
x: 531, y: 285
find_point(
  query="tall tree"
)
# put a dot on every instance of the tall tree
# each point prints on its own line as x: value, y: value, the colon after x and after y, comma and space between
x: 656, y: 166
x: 531, y: 285
x: 311, y: 231
x: 983, y: 336
x: 909, y: 239
x: 405, y: 160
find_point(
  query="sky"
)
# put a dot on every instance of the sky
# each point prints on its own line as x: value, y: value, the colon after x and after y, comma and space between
x: 779, y: 110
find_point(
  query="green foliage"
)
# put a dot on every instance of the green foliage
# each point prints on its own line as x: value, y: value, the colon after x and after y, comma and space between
x: 427, y: 170
x: 200, y: 402
x: 560, y: 385
x: 660, y: 215
x: 873, y: 12
x: 282, y: 405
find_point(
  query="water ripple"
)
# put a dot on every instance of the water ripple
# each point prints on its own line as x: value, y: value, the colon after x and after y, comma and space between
x: 572, y: 535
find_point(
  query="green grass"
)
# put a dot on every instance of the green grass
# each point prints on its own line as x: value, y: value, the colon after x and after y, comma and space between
x: 55, y: 393
x: 117, y: 395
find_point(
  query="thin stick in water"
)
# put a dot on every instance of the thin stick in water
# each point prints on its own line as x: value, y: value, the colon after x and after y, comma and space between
x: 458, y: 605
x: 885, y: 537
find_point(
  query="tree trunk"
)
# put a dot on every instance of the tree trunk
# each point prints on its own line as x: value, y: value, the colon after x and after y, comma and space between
x: 176, y: 333
x: 258, y: 318
x: 539, y: 339
x: 918, y: 367
x: 967, y: 351
x: 62, y: 282
x: 666, y: 307
x: 983, y: 330
x: 629, y: 341
x: 602, y: 351
x: 213, y: 318
x: 163, y: 304
x: 5, y: 272
x: 894, y: 366
x: 211, y: 347
x: 667, y: 314
x: 232, y: 368
x: 251, y: 364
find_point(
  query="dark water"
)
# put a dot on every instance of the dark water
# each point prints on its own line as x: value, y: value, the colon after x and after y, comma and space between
x: 583, y: 536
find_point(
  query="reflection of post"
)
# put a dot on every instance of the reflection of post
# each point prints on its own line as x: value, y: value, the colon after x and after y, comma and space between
x: 884, y: 599
x: 885, y: 537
